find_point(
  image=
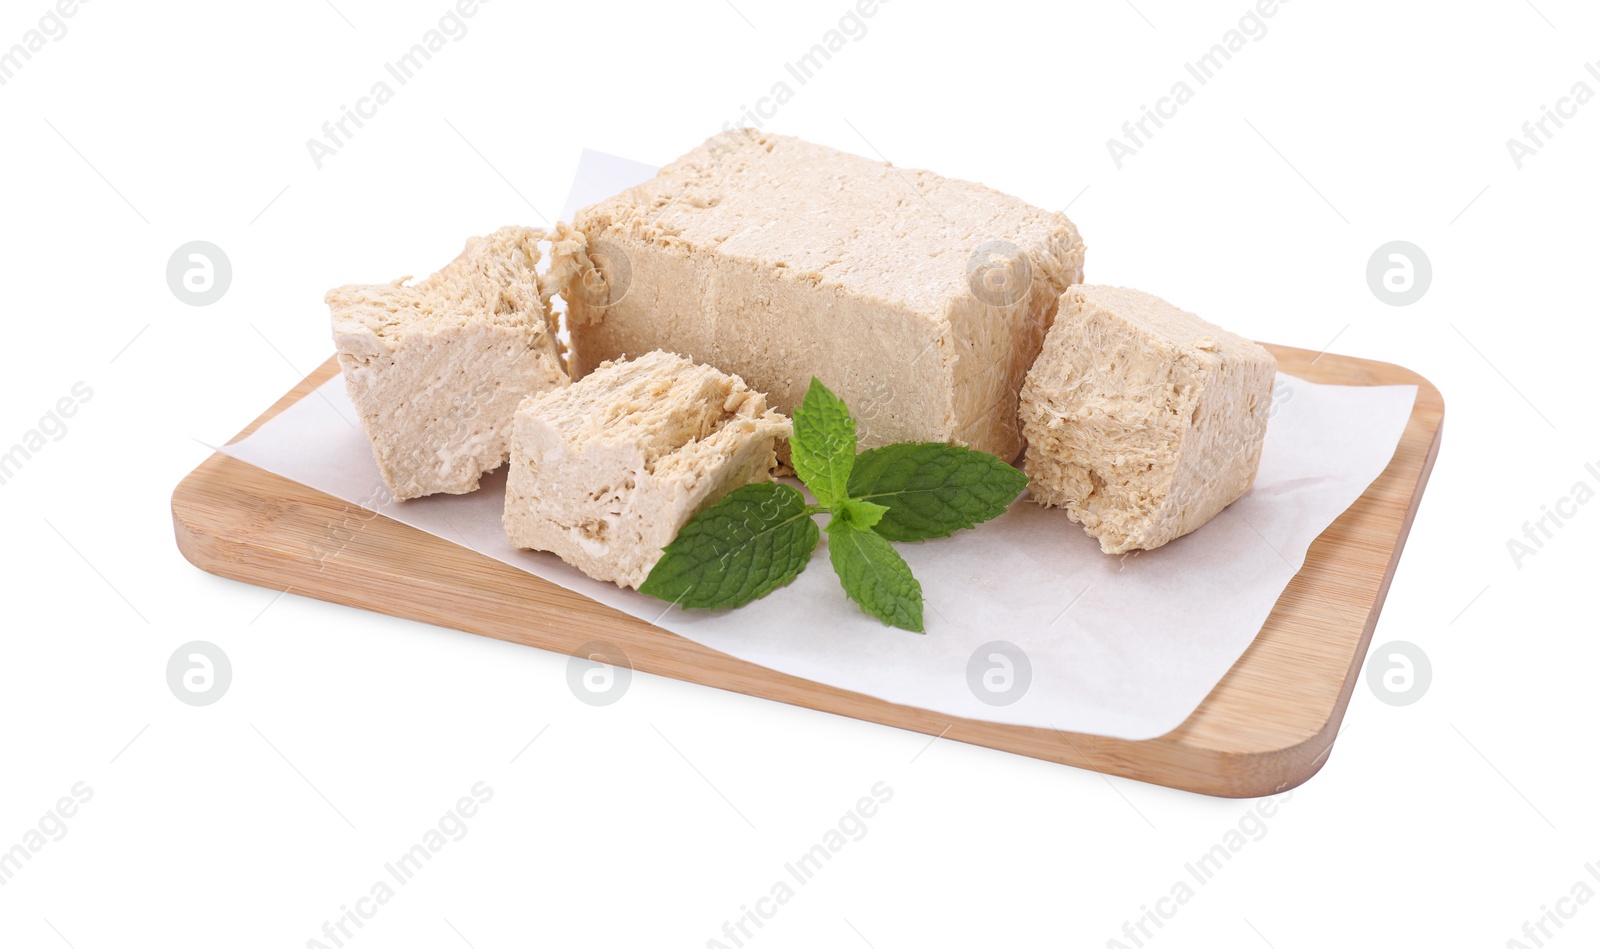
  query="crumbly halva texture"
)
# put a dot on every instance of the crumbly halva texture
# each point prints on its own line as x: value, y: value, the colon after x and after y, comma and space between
x: 1143, y: 421
x: 437, y: 368
x: 919, y: 300
x: 605, y: 472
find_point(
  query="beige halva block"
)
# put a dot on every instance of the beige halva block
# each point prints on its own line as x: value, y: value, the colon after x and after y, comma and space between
x: 437, y: 369
x: 1143, y: 421
x: 919, y: 300
x: 605, y: 472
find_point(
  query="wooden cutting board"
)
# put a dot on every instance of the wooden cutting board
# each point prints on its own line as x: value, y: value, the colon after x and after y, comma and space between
x: 1266, y: 727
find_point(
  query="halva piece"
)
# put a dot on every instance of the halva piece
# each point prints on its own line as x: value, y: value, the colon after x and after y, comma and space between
x: 1143, y: 421
x: 604, y: 473
x: 437, y: 369
x: 919, y: 300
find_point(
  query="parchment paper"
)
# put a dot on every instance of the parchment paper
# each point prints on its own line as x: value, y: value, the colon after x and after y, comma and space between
x: 1125, y: 647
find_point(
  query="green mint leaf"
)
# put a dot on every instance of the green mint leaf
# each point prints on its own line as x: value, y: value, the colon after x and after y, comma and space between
x: 932, y: 489
x: 874, y: 575
x: 741, y: 548
x: 857, y: 513
x: 823, y: 447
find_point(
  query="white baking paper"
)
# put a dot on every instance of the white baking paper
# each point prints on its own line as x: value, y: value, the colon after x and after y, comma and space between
x: 1125, y: 647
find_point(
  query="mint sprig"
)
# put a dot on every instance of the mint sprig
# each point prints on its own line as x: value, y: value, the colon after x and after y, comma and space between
x: 761, y: 536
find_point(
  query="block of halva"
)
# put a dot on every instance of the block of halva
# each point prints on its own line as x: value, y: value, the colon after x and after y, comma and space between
x: 919, y: 300
x: 1143, y: 421
x: 605, y: 472
x: 437, y: 369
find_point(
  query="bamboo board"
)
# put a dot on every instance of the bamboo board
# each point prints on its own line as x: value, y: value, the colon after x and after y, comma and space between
x: 1266, y: 727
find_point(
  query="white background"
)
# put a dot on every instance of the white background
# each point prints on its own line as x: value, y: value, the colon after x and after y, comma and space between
x: 345, y: 735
